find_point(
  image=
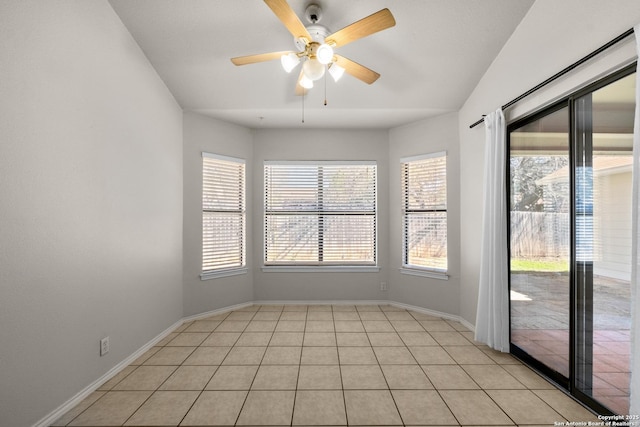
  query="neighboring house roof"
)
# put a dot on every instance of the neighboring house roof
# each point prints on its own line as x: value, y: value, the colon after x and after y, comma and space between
x: 602, y: 165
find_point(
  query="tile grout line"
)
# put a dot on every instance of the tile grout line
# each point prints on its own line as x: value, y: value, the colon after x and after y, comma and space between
x: 216, y: 370
x: 257, y: 370
x: 385, y: 379
x: 472, y: 379
x: 434, y: 386
x: 344, y: 397
x: 295, y: 394
x: 201, y: 392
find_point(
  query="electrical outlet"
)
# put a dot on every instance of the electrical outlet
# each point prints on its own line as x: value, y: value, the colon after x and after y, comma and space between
x: 104, y: 346
x: 383, y: 286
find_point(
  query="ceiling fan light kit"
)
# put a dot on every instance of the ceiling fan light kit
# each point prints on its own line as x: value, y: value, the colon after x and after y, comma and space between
x: 316, y: 45
x: 289, y: 61
x: 313, y: 69
x: 336, y: 71
x: 306, y: 82
x: 324, y: 54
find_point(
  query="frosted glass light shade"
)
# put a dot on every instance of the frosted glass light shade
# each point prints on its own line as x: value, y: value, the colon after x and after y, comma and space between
x: 324, y: 54
x: 306, y: 82
x: 289, y: 61
x: 313, y: 69
x: 336, y: 71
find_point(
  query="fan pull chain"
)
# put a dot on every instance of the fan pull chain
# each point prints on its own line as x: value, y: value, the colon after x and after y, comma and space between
x: 304, y: 94
x: 325, y: 87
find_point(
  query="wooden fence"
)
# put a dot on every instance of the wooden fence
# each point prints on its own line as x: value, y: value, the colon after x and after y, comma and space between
x: 539, y: 235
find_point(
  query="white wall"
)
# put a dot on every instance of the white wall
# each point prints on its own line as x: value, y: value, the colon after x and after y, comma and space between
x: 427, y: 136
x: 90, y: 201
x: 552, y: 35
x: 313, y: 144
x: 612, y: 225
x: 214, y: 136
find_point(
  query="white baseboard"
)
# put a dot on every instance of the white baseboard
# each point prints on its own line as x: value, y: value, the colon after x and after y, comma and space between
x: 215, y: 312
x: 69, y: 404
x: 468, y: 325
x: 324, y: 302
x: 434, y: 313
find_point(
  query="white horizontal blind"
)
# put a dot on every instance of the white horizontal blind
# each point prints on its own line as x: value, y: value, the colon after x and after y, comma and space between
x: 223, y: 213
x: 424, y: 211
x: 320, y: 213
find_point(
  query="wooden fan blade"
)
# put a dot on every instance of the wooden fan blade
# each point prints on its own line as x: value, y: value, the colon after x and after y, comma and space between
x: 289, y: 18
x: 262, y: 57
x: 300, y: 91
x: 378, y: 21
x: 356, y: 70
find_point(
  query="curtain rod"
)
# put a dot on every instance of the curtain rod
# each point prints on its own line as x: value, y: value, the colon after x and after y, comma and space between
x: 563, y: 72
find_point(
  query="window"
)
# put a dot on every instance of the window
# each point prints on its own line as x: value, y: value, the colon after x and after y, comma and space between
x: 320, y: 213
x: 223, y: 215
x: 424, y: 212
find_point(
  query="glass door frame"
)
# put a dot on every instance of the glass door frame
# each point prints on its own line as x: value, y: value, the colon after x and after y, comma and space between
x: 536, y: 364
x: 577, y: 295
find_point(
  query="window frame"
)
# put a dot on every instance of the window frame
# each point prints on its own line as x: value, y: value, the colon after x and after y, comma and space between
x: 320, y: 266
x: 225, y: 271
x: 406, y: 267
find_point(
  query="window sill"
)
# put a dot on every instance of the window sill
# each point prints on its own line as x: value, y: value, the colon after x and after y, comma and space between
x: 216, y: 274
x: 320, y: 269
x: 432, y: 274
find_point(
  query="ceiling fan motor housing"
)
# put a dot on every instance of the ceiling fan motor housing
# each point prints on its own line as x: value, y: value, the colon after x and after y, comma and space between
x: 317, y: 33
x: 313, y: 14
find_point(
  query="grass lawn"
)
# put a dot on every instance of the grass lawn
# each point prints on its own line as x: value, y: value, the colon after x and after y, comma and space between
x: 547, y: 265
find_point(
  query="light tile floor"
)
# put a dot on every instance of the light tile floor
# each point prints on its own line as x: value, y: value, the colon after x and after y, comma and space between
x: 326, y: 365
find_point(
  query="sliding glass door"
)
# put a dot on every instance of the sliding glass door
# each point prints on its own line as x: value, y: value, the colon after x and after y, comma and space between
x: 540, y: 201
x: 570, y: 241
x: 603, y: 162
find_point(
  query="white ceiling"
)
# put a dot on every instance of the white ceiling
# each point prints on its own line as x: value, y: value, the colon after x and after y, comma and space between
x: 429, y: 62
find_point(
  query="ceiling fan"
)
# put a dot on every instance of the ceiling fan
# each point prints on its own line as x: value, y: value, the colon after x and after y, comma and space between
x: 316, y: 45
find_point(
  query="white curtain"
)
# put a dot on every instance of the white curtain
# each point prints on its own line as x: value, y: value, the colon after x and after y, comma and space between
x: 492, y: 320
x: 635, y: 265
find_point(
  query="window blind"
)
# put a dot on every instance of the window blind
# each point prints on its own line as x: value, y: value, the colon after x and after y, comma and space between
x: 320, y: 213
x: 223, y: 213
x: 424, y: 211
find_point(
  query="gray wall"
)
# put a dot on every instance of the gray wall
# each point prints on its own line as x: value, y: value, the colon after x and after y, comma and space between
x: 314, y: 144
x: 427, y: 136
x: 206, y: 134
x: 91, y: 190
x: 90, y: 202
x: 550, y: 37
